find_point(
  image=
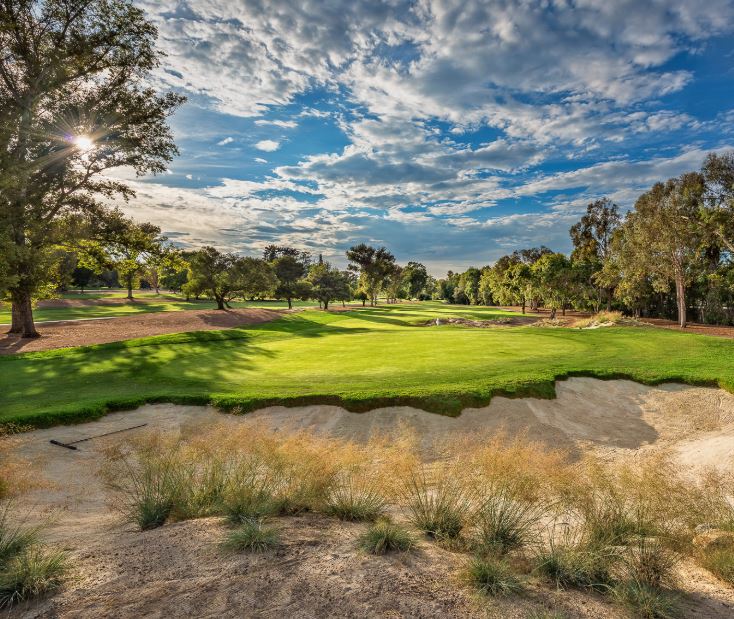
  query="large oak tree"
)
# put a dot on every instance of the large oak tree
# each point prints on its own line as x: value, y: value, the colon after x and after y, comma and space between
x: 74, y: 104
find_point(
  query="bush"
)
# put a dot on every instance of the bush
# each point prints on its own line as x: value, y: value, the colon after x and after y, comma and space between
x: 647, y: 602
x: 31, y: 573
x: 492, y: 576
x: 504, y: 524
x: 355, y: 499
x: 438, y: 510
x: 384, y: 536
x: 252, y: 536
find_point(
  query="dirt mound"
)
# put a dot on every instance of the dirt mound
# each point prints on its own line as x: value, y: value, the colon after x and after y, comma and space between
x: 101, y: 331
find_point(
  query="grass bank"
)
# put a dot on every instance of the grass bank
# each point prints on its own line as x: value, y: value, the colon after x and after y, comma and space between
x: 146, y: 303
x: 358, y: 359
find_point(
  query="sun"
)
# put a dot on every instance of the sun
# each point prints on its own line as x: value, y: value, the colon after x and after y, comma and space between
x: 84, y: 143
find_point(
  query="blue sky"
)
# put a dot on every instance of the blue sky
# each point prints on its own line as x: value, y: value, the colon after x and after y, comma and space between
x: 450, y: 131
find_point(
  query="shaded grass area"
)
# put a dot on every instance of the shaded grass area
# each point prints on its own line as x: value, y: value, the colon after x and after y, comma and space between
x: 359, y: 359
x: 144, y: 303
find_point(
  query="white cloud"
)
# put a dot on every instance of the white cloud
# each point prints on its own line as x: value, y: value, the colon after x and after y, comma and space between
x: 189, y: 177
x: 225, y: 141
x: 267, y: 145
x: 261, y: 160
x: 283, y: 124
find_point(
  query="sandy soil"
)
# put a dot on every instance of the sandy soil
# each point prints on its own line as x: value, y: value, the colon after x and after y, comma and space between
x: 179, y: 571
x: 100, y: 331
x: 664, y: 323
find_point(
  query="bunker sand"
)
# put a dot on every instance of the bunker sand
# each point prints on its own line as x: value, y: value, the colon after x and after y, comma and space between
x: 178, y: 570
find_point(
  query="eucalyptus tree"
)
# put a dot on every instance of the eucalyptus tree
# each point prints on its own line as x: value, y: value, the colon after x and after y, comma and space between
x: 291, y: 272
x: 374, y: 266
x: 328, y: 283
x: 592, y: 241
x: 415, y: 276
x: 74, y: 104
x: 718, y: 173
x: 226, y: 276
x: 129, y: 248
x: 664, y: 234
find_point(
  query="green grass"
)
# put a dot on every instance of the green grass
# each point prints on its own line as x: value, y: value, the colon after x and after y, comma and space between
x: 359, y: 359
x: 144, y: 303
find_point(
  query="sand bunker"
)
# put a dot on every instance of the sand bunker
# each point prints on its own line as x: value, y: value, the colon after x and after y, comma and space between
x: 178, y: 571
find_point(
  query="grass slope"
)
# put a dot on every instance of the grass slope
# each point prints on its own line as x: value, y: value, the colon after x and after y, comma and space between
x: 143, y: 304
x: 360, y: 359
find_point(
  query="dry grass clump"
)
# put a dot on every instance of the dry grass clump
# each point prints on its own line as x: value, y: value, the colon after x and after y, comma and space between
x: 570, y: 560
x: 589, y: 525
x: 15, y: 474
x: 248, y: 472
x: 354, y: 497
x: 252, y: 536
x: 384, y: 536
x: 437, y: 503
x: 492, y: 576
x: 27, y: 567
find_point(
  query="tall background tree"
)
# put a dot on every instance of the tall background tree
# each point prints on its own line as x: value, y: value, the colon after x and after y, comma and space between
x: 663, y: 235
x: 291, y: 270
x: 373, y: 265
x: 328, y: 283
x: 592, y: 242
x: 73, y: 105
x: 225, y: 276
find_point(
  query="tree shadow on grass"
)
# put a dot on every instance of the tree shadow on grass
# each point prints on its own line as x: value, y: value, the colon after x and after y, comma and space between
x: 86, y: 384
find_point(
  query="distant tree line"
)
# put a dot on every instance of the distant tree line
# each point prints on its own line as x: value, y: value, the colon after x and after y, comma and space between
x: 671, y: 256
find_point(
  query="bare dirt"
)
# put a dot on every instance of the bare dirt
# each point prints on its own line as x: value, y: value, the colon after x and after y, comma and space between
x: 101, y: 331
x: 179, y: 570
x: 663, y: 323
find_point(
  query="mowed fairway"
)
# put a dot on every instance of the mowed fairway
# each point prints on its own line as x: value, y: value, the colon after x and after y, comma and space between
x: 361, y: 359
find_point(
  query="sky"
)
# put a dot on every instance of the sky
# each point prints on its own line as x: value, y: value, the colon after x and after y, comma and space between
x: 451, y: 131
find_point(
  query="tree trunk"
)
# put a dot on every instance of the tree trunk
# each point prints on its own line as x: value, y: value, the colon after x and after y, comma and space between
x: 553, y: 313
x: 523, y: 305
x: 22, y: 315
x: 129, y: 282
x: 364, y: 302
x: 220, y: 302
x: 680, y: 297
x: 326, y: 304
x: 290, y: 305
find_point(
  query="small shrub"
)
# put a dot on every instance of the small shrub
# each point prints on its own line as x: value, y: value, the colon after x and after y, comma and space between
x: 504, y: 524
x: 647, y: 602
x: 492, y: 576
x: 383, y: 537
x: 31, y: 573
x: 252, y: 536
x: 355, y: 500
x: 439, y: 510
